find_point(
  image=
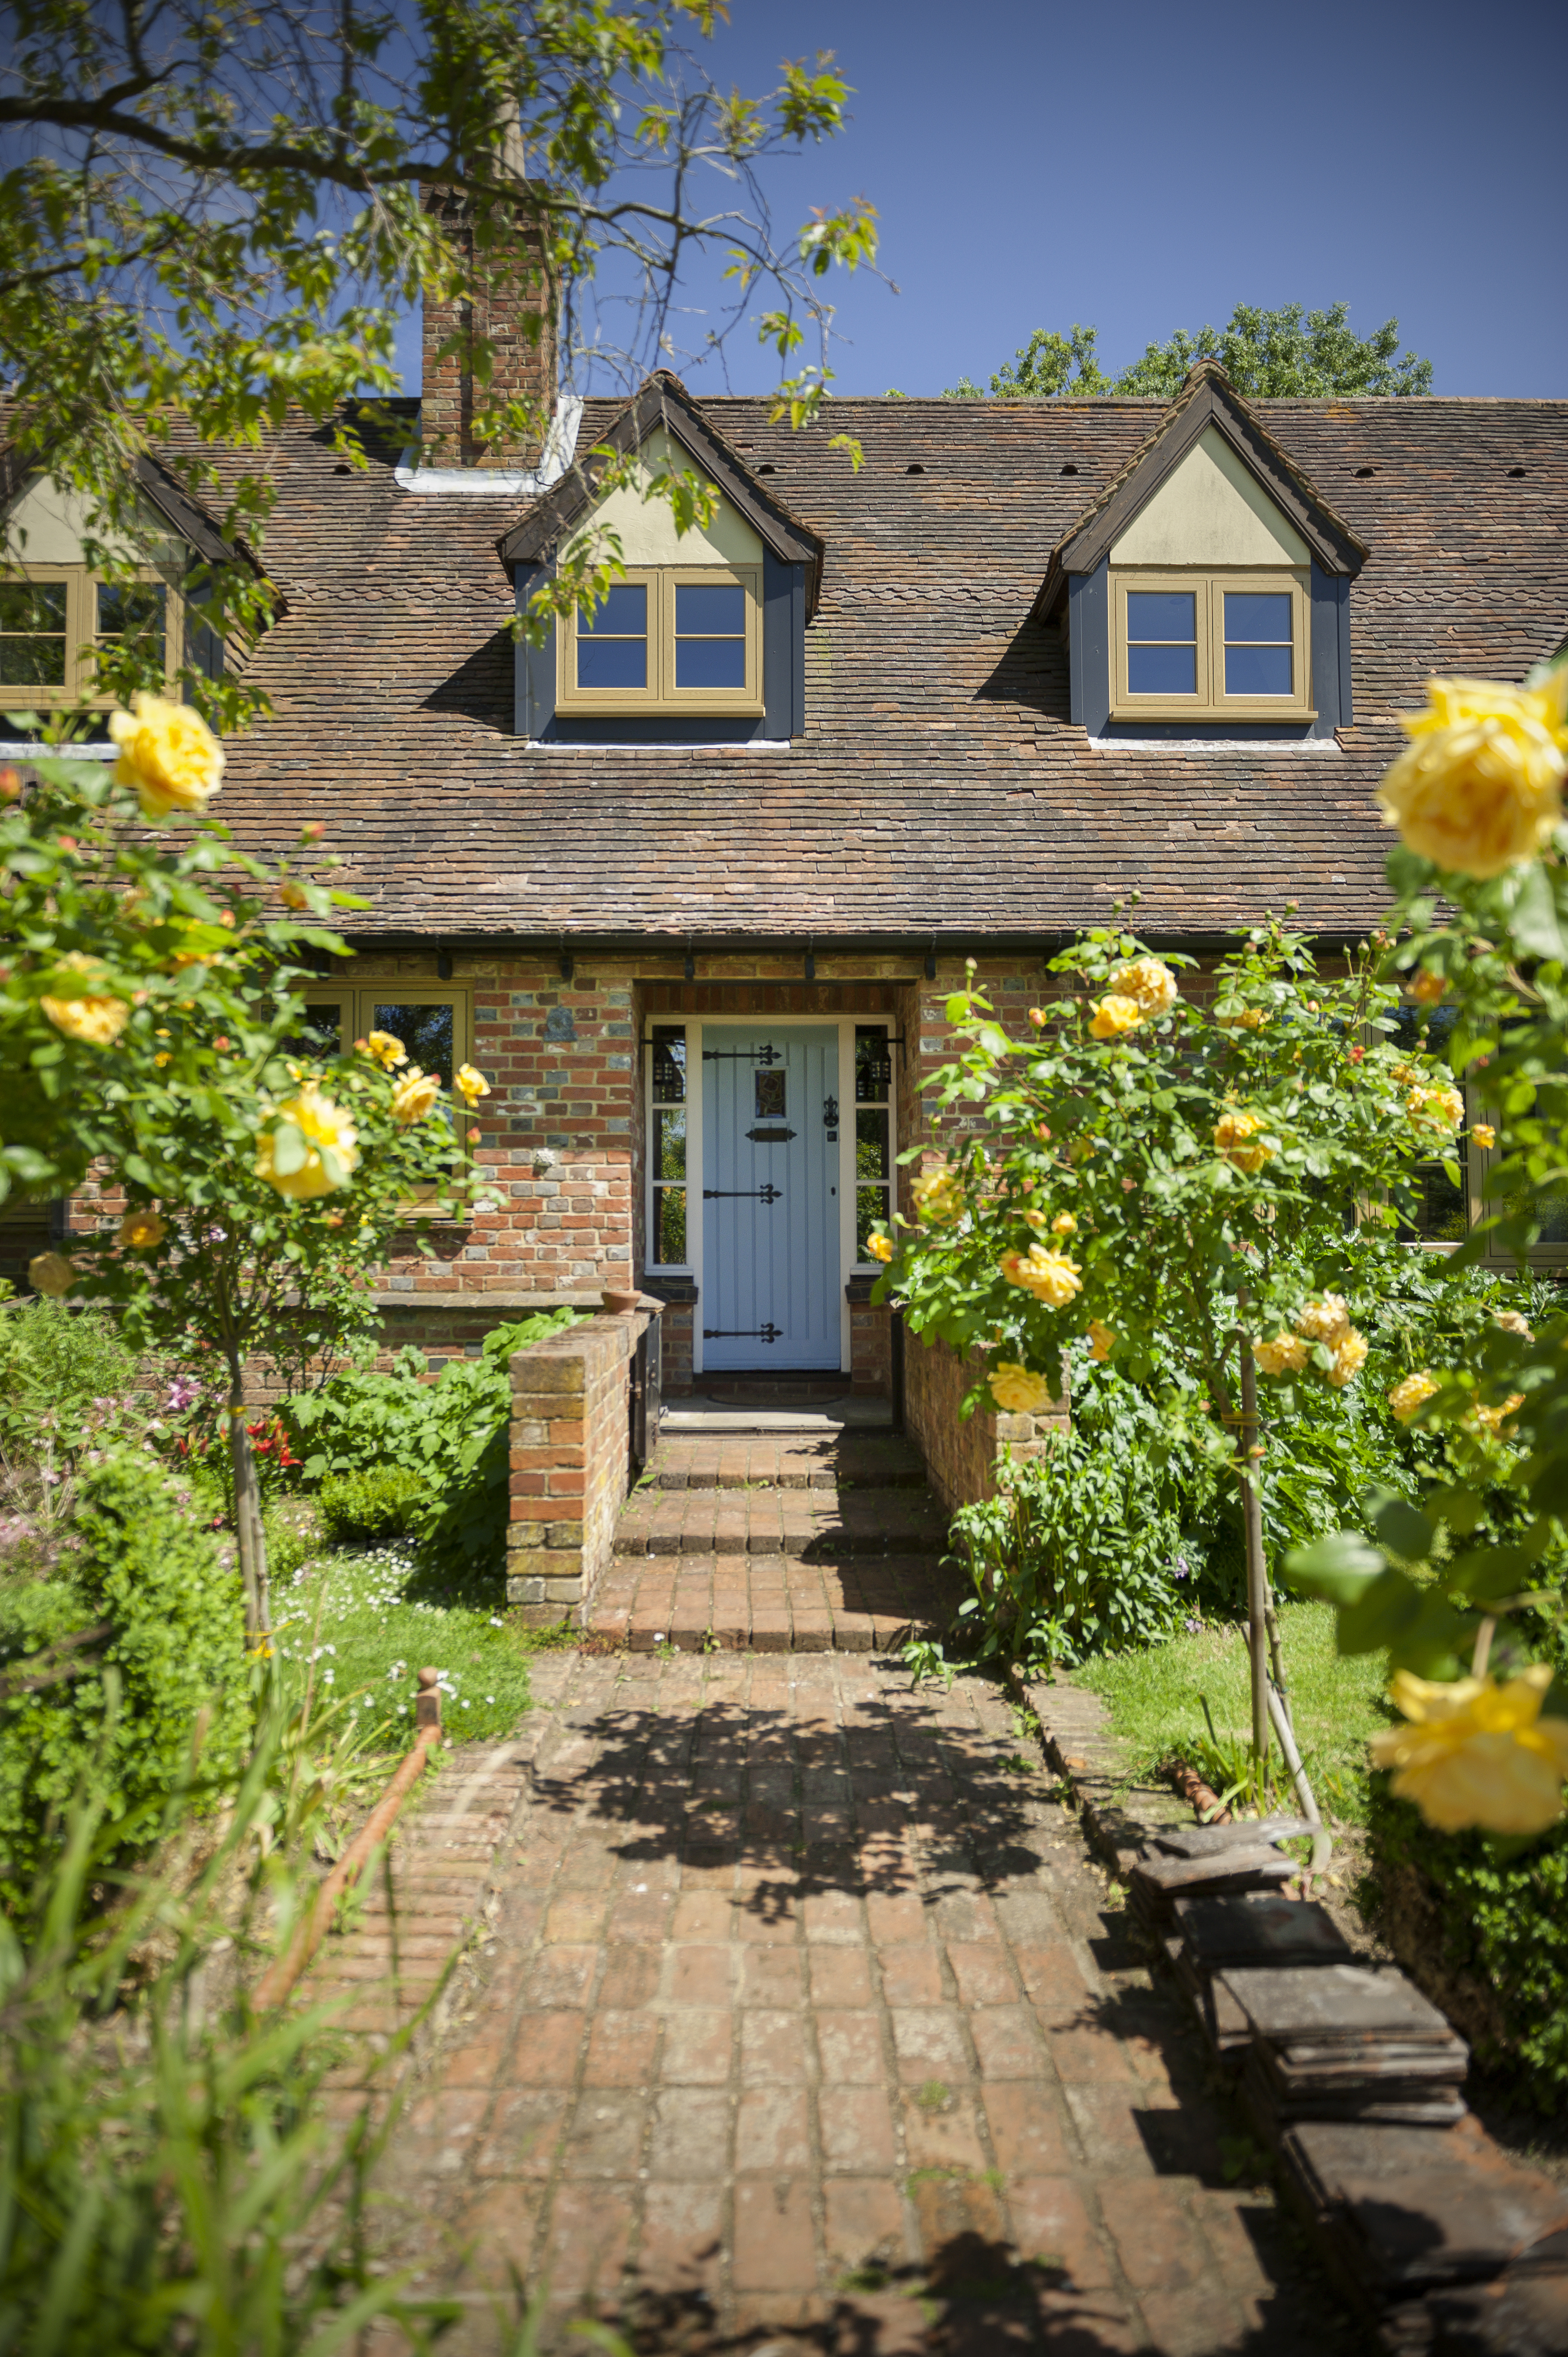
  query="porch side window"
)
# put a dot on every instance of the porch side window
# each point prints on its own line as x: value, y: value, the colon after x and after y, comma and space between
x: 667, y: 1135
x: 873, y: 1134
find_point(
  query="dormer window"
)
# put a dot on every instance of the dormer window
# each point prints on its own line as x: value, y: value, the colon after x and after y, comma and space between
x: 1211, y: 646
x: 52, y: 622
x: 668, y: 638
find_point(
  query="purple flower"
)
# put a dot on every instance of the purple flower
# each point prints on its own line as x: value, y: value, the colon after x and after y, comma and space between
x: 1193, y: 1628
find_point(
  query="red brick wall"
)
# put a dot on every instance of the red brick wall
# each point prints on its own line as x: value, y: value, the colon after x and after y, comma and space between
x: 509, y: 302
x: 962, y: 1453
x: 570, y: 1464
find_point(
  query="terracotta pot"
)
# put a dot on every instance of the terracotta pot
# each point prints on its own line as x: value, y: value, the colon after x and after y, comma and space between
x: 621, y: 1304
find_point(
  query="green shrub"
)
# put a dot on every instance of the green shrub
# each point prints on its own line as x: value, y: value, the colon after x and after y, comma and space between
x: 363, y: 1509
x: 174, y: 1640
x: 1490, y: 1924
x: 66, y: 1379
x: 451, y: 1434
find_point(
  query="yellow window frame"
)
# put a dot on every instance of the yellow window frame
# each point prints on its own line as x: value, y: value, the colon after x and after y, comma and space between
x: 661, y: 694
x: 81, y: 635
x: 1207, y: 589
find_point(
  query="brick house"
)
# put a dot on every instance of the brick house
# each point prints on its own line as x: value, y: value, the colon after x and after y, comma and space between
x: 691, y: 883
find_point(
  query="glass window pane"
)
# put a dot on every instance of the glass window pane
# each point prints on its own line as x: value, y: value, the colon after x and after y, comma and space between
x: 320, y: 1031
x: 1162, y: 614
x: 669, y: 1226
x: 870, y: 1206
x: 669, y: 1066
x: 716, y: 607
x: 426, y: 1033
x: 1257, y: 614
x: 1162, y: 671
x: 1257, y: 671
x: 32, y: 662
x: 771, y: 1101
x: 32, y: 605
x: 710, y: 662
x: 670, y: 1142
x: 870, y: 1145
x: 1441, y: 1216
x: 623, y: 613
x: 130, y: 609
x: 612, y: 663
x: 873, y: 1066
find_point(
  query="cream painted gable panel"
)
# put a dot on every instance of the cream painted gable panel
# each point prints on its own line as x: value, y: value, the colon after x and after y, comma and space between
x: 1211, y: 510
x: 47, y: 525
x: 647, y: 528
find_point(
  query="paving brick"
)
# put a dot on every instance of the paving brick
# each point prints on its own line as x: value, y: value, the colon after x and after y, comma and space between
x: 775, y: 2246
x: 856, y: 2128
x: 849, y: 2047
x: 928, y: 2041
x: 864, y: 2221
x: 1027, y: 2129
x: 772, y: 2131
x: 1050, y: 2224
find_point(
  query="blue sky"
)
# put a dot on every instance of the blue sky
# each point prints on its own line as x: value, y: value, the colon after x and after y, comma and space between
x: 1142, y: 167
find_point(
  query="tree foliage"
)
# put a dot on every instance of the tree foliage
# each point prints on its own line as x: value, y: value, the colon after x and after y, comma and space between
x: 212, y: 214
x: 1289, y: 352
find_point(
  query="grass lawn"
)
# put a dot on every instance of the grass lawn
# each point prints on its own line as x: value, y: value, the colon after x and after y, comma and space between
x: 371, y: 1625
x: 1153, y: 1699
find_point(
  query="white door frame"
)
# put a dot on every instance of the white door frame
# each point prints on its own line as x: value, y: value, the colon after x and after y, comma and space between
x: 694, y: 1025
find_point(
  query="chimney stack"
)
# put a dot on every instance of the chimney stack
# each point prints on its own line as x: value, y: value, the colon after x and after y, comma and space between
x: 508, y: 302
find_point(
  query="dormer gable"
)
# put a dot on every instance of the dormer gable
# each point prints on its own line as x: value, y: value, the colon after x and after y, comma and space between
x: 702, y: 639
x: 1205, y: 590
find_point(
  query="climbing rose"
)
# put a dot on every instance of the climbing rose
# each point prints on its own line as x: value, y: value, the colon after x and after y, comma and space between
x: 330, y: 1142
x: 1114, y: 1015
x: 1286, y: 1354
x: 1013, y: 1388
x: 96, y: 1019
x: 1477, y: 1753
x: 1064, y: 1224
x: 1513, y: 1321
x: 1427, y: 987
x: 143, y: 1230
x: 1411, y: 1393
x: 1484, y: 1134
x: 1101, y: 1340
x: 1480, y: 788
x: 1492, y: 1419
x: 470, y: 1085
x: 1050, y: 1276
x: 1350, y: 1358
x: 937, y: 1196
x: 879, y: 1247
x: 1234, y: 1133
x: 169, y: 754
x: 1148, y: 982
x: 386, y: 1048
x: 414, y: 1096
x: 1327, y: 1320
x: 1439, y: 1109
x: 52, y: 1272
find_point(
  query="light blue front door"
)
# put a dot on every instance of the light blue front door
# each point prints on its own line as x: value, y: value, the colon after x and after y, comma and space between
x: 770, y: 1204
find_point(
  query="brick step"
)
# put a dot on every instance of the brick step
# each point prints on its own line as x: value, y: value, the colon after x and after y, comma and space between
x: 825, y: 1523
x: 773, y: 1604
x: 749, y: 1461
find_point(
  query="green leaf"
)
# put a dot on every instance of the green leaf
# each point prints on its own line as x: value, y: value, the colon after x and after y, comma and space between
x: 1489, y: 1572
x: 1340, y: 1568
x: 1387, y: 1607
x: 290, y: 1149
x: 1533, y: 920
x: 1403, y: 1531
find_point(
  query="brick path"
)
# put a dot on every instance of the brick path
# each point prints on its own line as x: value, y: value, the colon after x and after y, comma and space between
x: 806, y: 2024
x: 778, y: 1544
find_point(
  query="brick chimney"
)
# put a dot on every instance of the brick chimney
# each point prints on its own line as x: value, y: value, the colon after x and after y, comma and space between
x: 508, y: 302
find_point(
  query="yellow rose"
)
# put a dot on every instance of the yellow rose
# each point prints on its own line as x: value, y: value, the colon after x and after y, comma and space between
x: 1327, y: 1320
x: 330, y: 1147
x: 470, y: 1085
x: 1492, y: 1419
x: 1101, y: 1340
x: 1286, y: 1354
x: 1513, y: 1321
x: 1050, y: 1276
x: 1234, y: 1133
x: 937, y: 1196
x: 95, y: 1018
x: 168, y: 753
x: 879, y: 1247
x: 1350, y: 1358
x: 1426, y: 987
x: 1064, y: 1224
x: 52, y: 1272
x: 386, y: 1048
x: 293, y: 895
x: 143, y: 1230
x: 1477, y: 1753
x: 1436, y: 1109
x: 414, y: 1096
x: 1148, y: 982
x: 1484, y: 1134
x: 1411, y: 1393
x: 1013, y: 1388
x: 1113, y: 1015
x: 1480, y: 788
x: 1242, y: 1019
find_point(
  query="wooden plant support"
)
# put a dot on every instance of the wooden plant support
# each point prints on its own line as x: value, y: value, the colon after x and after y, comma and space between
x: 284, y: 1972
